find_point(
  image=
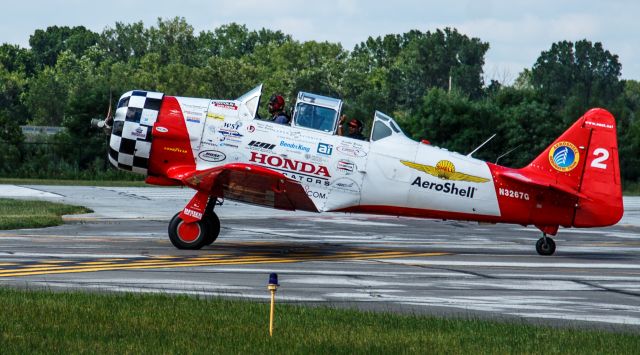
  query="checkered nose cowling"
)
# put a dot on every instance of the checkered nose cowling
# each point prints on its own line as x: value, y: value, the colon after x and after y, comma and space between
x: 130, y: 143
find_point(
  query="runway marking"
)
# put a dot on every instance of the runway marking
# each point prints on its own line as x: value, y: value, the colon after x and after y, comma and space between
x: 235, y: 255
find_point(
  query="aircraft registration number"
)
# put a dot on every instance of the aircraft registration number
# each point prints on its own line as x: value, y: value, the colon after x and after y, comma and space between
x: 513, y: 194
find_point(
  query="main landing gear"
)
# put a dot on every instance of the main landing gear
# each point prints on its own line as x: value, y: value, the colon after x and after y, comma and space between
x: 545, y: 245
x: 197, y: 234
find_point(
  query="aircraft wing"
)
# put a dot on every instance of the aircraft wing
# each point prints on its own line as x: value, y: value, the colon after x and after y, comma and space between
x: 248, y: 183
x: 540, y: 181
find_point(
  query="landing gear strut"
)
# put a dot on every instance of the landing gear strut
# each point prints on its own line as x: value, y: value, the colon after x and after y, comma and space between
x: 197, y: 234
x: 545, y: 245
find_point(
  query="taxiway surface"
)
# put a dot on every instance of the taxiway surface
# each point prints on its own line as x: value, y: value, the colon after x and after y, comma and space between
x: 369, y: 262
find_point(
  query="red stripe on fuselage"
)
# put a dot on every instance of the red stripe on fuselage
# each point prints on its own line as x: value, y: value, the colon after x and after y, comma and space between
x: 171, y: 146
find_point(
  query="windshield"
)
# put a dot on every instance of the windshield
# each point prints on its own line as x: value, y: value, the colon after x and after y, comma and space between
x: 316, y: 117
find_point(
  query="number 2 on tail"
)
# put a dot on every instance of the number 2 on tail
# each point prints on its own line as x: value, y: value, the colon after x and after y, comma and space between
x: 601, y: 155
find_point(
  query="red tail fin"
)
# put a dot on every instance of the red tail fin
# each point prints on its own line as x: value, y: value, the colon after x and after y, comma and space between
x: 585, y: 159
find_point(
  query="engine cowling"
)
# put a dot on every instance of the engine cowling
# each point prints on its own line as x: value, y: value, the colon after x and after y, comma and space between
x: 131, y: 135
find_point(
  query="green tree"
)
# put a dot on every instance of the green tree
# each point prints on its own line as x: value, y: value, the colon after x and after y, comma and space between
x: 578, y: 76
x: 628, y: 121
x: 125, y: 41
x: 46, y: 98
x: 454, y: 121
x: 48, y: 44
x: 428, y: 60
x: 12, y: 115
x: 174, y: 40
x: 16, y: 59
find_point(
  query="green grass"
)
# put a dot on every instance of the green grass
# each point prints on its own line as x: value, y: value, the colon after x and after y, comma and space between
x: 13, y: 181
x: 47, y: 322
x: 16, y: 214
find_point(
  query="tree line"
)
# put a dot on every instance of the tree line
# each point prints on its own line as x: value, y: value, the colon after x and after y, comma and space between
x: 431, y: 82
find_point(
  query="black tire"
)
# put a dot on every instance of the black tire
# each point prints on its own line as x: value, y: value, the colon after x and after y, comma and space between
x: 214, y: 227
x: 545, y: 247
x: 198, y: 233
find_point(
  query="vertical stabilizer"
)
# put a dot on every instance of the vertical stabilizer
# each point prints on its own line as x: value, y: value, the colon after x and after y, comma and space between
x: 585, y: 159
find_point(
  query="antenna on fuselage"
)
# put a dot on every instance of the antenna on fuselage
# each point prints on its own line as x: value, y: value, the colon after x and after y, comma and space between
x: 498, y: 159
x: 481, y: 145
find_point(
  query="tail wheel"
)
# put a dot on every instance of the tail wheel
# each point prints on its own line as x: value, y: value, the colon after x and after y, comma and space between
x: 188, y: 235
x: 545, y: 246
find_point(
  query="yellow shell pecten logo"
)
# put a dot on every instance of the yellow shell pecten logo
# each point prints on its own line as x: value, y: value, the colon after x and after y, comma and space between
x: 445, y: 170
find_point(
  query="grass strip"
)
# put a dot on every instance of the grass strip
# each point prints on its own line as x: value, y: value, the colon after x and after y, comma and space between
x: 48, y: 322
x: 123, y: 183
x: 15, y: 214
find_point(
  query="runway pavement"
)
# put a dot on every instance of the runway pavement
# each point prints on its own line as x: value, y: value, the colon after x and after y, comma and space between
x: 370, y: 262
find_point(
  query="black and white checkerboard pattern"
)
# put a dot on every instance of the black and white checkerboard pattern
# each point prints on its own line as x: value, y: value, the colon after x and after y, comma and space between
x: 130, y: 143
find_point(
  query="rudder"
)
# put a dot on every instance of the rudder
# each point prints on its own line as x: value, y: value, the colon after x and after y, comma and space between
x: 601, y: 177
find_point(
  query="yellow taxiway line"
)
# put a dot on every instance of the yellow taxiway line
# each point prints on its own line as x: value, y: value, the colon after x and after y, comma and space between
x: 214, y: 259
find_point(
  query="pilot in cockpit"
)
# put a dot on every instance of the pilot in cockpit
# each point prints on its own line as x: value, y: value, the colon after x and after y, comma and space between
x: 355, y: 127
x: 276, y: 109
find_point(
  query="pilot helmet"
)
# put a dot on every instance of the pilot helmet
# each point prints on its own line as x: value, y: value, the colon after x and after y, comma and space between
x: 357, y: 124
x: 276, y: 103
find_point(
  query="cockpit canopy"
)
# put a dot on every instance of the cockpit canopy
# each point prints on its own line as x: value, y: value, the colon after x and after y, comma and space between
x: 316, y: 112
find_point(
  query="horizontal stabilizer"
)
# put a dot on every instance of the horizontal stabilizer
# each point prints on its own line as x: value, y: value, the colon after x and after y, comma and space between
x: 539, y: 181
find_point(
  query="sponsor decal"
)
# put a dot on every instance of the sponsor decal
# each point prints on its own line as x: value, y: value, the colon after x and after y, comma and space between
x: 235, y: 126
x: 320, y: 159
x: 227, y: 144
x: 346, y: 167
x: 251, y: 128
x: 324, y: 148
x: 226, y: 105
x: 161, y: 129
x: 352, y: 151
x: 346, y: 184
x: 192, y: 116
x: 230, y: 133
x: 212, y: 156
x: 230, y: 139
x: 294, y: 169
x: 175, y: 150
x: 295, y: 146
x: 261, y: 146
x: 598, y: 124
x: 447, y: 188
x: 444, y: 170
x: 215, y: 116
x: 139, y: 132
x: 148, y: 117
x: 231, y: 130
x: 513, y: 194
x: 564, y: 156
x: 315, y: 194
x: 191, y: 213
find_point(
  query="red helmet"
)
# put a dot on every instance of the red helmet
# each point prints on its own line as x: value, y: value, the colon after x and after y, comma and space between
x: 276, y: 102
x: 357, y: 124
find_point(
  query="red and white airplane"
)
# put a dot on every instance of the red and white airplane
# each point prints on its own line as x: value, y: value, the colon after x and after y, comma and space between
x: 220, y: 149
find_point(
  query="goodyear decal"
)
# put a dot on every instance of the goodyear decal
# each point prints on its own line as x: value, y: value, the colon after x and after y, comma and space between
x: 564, y: 156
